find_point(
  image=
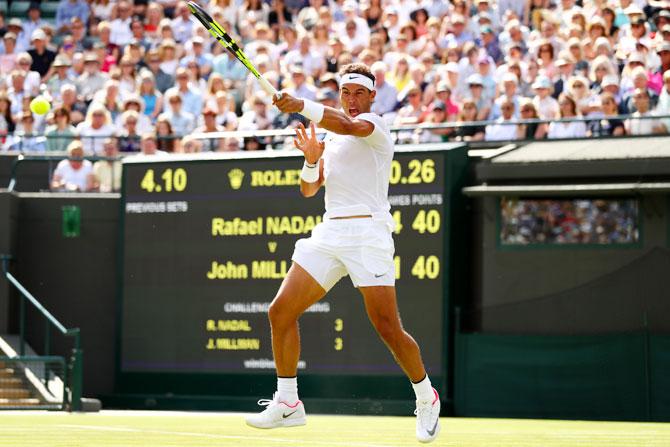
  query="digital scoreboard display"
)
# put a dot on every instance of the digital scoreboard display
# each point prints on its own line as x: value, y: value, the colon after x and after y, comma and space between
x: 207, y: 242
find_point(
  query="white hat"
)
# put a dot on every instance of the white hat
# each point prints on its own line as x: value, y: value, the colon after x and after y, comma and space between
x: 451, y: 67
x: 542, y: 82
x: 609, y: 79
x: 38, y: 34
x: 475, y: 79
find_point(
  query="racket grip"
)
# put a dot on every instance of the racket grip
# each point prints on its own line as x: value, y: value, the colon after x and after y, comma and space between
x: 265, y: 85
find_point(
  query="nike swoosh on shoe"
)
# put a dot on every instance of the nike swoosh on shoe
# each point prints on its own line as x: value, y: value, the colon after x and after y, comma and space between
x: 287, y: 415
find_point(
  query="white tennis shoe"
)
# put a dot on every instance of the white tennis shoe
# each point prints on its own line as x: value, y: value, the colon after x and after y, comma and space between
x: 278, y: 414
x: 428, y: 419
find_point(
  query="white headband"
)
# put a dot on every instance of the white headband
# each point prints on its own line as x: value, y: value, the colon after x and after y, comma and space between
x: 356, y: 78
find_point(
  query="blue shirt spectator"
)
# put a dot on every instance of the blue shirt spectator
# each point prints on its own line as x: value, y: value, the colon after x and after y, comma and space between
x: 67, y: 9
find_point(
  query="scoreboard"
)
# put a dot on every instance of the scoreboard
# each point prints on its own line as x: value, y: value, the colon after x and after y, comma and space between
x: 206, y: 243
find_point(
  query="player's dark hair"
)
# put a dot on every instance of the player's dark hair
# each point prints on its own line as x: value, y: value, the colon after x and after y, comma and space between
x: 358, y: 68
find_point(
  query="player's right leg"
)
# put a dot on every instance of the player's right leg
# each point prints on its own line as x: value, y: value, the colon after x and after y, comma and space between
x: 298, y: 291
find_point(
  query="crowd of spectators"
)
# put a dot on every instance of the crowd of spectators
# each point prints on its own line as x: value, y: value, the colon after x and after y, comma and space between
x: 131, y: 69
x: 527, y: 222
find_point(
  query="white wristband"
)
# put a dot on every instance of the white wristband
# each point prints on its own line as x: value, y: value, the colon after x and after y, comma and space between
x: 310, y: 173
x: 312, y: 111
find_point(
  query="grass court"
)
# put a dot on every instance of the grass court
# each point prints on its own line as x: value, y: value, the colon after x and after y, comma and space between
x: 188, y: 429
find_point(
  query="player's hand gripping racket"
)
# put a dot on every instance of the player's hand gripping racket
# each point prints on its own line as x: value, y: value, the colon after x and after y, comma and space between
x: 229, y: 44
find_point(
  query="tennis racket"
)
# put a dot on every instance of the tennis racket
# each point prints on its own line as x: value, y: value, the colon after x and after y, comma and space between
x: 229, y: 44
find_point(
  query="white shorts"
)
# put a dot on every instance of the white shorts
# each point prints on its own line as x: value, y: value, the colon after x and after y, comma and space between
x: 362, y: 248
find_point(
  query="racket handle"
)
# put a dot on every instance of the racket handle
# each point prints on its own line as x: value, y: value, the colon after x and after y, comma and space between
x: 265, y: 85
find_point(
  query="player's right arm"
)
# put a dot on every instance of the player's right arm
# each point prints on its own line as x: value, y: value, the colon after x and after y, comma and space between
x: 312, y: 149
x: 333, y: 120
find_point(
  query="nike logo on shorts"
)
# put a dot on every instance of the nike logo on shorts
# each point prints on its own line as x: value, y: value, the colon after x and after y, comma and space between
x: 287, y: 415
x: 379, y: 276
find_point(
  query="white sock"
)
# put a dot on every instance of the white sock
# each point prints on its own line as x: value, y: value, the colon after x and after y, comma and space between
x: 424, y: 390
x: 287, y: 387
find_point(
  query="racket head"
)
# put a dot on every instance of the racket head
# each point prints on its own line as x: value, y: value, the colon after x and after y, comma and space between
x: 200, y: 14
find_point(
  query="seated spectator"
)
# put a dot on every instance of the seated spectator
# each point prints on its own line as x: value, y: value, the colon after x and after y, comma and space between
x: 133, y: 102
x: 107, y: 173
x: 209, y: 125
x: 74, y: 173
x: 413, y: 112
x: 509, y: 91
x: 42, y: 57
x: 69, y: 9
x: 8, y: 56
x: 26, y: 139
x: 191, y: 99
x: 545, y: 104
x: 503, y: 129
x: 573, y: 129
x: 97, y: 126
x: 60, y: 76
x: 163, y: 79
x: 129, y: 137
x: 468, y: 114
x: 606, y: 126
x: 120, y: 26
x: 68, y: 100
x: 476, y: 86
x: 636, y: 125
x: 663, y: 107
x: 225, y: 106
x: 437, y: 115
x: 167, y: 141
x: 530, y: 131
x: 7, y: 125
x: 444, y: 93
x: 258, y: 117
x: 153, y: 99
x: 60, y: 134
x: 190, y: 145
x: 231, y: 144
x: 110, y: 98
x: 182, y: 122
x: 386, y: 98
x: 149, y: 146
x: 92, y: 80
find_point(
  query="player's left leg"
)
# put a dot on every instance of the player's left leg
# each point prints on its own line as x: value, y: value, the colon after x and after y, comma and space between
x: 382, y: 308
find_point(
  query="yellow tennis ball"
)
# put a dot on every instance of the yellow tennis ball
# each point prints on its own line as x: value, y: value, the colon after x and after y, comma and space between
x: 40, y: 105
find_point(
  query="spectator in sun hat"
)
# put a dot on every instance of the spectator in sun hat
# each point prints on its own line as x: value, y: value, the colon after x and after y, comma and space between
x: 92, y: 80
x: 656, y: 75
x: 503, y: 129
x: 489, y: 41
x: 15, y: 26
x: 545, y: 105
x: 610, y: 84
x: 509, y: 91
x: 8, y: 56
x: 639, y: 80
x: 444, y: 93
x: 60, y: 76
x: 486, y: 69
x: 475, y: 84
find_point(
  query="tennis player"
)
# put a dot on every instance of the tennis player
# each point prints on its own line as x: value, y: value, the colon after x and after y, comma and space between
x: 355, y: 238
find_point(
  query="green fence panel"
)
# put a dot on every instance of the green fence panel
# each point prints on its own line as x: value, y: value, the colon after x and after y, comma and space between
x: 599, y: 377
x: 659, y: 377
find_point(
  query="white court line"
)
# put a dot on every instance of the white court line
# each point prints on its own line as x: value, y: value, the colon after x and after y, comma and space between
x: 214, y: 436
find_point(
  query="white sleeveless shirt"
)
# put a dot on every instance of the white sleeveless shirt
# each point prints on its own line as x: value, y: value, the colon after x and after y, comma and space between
x: 357, y: 171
